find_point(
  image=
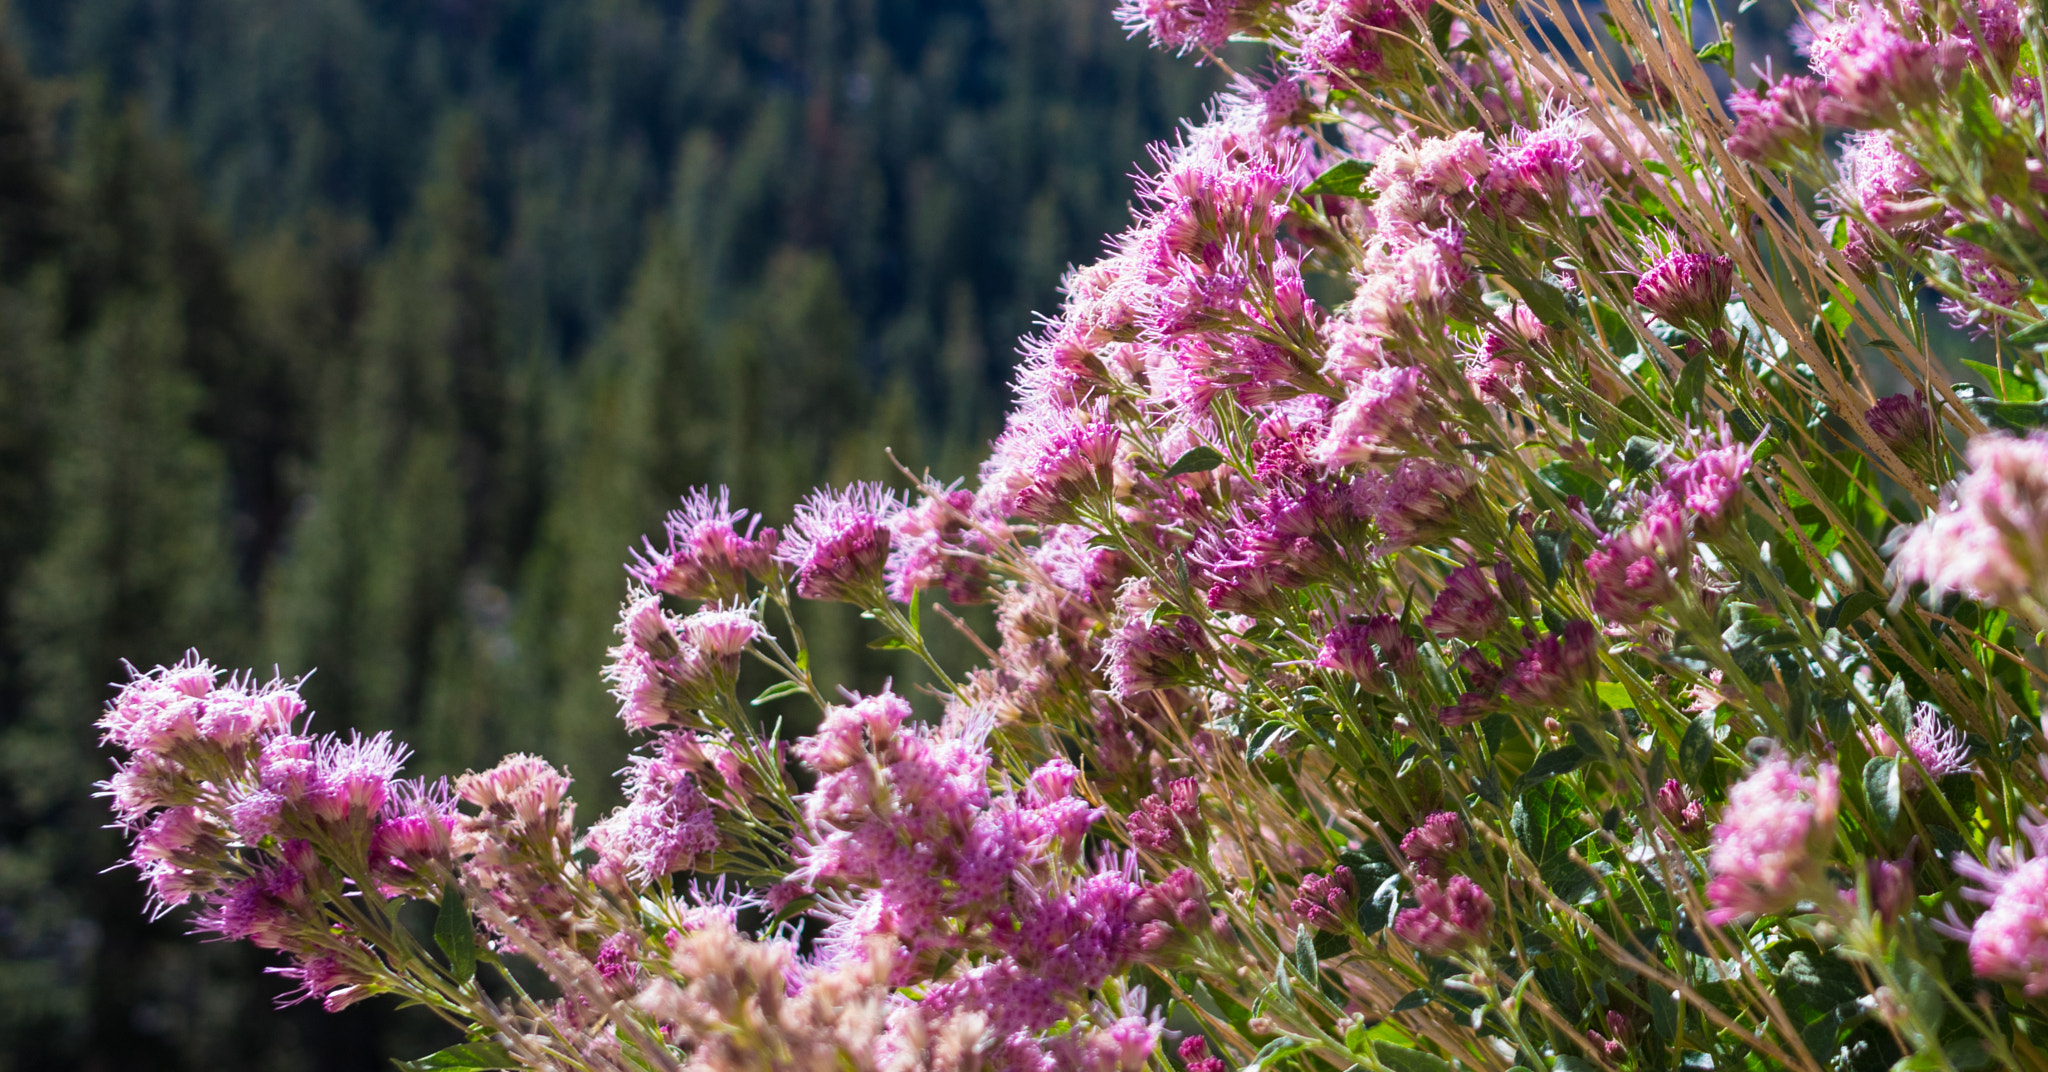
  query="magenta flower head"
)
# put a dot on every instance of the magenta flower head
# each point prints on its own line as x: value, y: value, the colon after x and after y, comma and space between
x: 712, y: 549
x: 1140, y: 656
x: 1551, y: 668
x: 1165, y: 823
x: 352, y: 778
x: 1676, y: 804
x: 1874, y: 74
x: 1777, y: 126
x: 1378, y: 415
x: 1710, y: 485
x: 1989, y: 540
x: 1194, y: 1053
x: 668, y: 826
x: 1449, y: 917
x: 186, y: 711
x: 1771, y: 845
x: 1467, y: 608
x: 1430, y: 846
x: 936, y: 545
x: 1047, y: 461
x: 1903, y: 422
x: 1936, y: 746
x: 668, y: 668
x: 2009, y: 942
x: 1183, y: 25
x: 416, y: 832
x: 1688, y: 290
x: 838, y: 544
x: 1368, y: 650
x: 1325, y: 903
x: 1633, y: 571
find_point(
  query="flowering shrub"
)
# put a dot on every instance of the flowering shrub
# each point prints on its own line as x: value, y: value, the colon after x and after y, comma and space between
x: 1460, y: 601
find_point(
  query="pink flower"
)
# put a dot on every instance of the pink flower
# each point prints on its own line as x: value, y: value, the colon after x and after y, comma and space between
x: 1549, y: 669
x: 1429, y: 846
x: 1679, y: 809
x: 1450, y: 917
x: 1368, y: 650
x: 1377, y: 414
x: 1873, y: 73
x: 1162, y: 824
x: 937, y: 546
x: 1688, y: 289
x: 1348, y: 38
x: 1989, y: 540
x: 2009, y: 942
x: 1140, y: 657
x: 1183, y: 25
x: 838, y: 543
x: 1777, y: 126
x: 1467, y: 608
x: 1046, y: 460
x: 1938, y: 747
x: 1771, y: 845
x: 1903, y: 422
x: 1632, y: 571
x: 712, y: 549
x: 667, y: 668
x: 668, y: 826
x: 1326, y: 903
x: 1710, y: 485
x: 1194, y: 1054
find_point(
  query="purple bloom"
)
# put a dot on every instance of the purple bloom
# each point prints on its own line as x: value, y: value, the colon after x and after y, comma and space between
x: 1710, y: 485
x: 712, y: 549
x: 1379, y: 413
x: 2009, y: 942
x: 1467, y: 607
x: 1420, y: 499
x: 667, y: 668
x: 1891, y: 885
x: 668, y: 826
x: 1450, y: 917
x: 1194, y: 1054
x: 1989, y: 285
x: 1903, y: 422
x: 1368, y: 649
x: 1140, y: 656
x: 936, y: 545
x: 838, y: 543
x: 1688, y: 289
x: 1441, y: 836
x: 1046, y: 460
x: 1990, y: 538
x: 1937, y: 746
x: 1347, y: 37
x: 1777, y: 126
x: 1675, y: 803
x: 1326, y: 903
x: 1162, y: 823
x: 1551, y: 668
x: 352, y: 778
x: 1632, y: 570
x: 1183, y: 25
x: 1771, y: 845
x: 1873, y: 73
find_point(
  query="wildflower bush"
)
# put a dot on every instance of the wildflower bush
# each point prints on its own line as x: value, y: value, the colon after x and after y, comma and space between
x: 1460, y: 600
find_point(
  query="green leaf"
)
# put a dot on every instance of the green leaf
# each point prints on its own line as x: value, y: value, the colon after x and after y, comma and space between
x: 1836, y: 314
x: 2018, y: 418
x: 890, y: 643
x: 1402, y: 1059
x: 1696, y: 748
x: 1692, y: 382
x: 2008, y: 386
x: 1345, y: 179
x: 1546, y: 300
x: 1853, y: 606
x: 1196, y: 460
x: 467, y: 1057
x: 1566, y: 479
x: 1414, y: 999
x: 1273, y: 1052
x: 1306, y: 962
x: 777, y: 691
x: 2036, y: 332
x: 1549, y: 765
x: 1614, y: 694
x: 1896, y: 709
x: 1552, y: 547
x: 1721, y: 52
x: 456, y: 936
x: 1545, y: 825
x: 1881, y: 788
x: 1642, y: 452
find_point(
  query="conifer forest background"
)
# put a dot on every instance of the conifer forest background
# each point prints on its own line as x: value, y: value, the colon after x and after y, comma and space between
x: 368, y: 334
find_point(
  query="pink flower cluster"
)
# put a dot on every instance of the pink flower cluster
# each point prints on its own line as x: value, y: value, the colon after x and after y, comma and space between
x: 1771, y: 845
x: 1989, y: 539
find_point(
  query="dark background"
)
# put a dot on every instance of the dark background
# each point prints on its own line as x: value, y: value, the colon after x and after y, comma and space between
x: 367, y: 334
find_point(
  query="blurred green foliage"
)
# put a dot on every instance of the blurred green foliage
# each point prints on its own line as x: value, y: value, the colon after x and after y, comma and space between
x: 368, y: 334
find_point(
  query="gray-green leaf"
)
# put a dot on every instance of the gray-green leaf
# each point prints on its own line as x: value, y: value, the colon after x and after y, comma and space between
x: 468, y: 1057
x: 456, y: 936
